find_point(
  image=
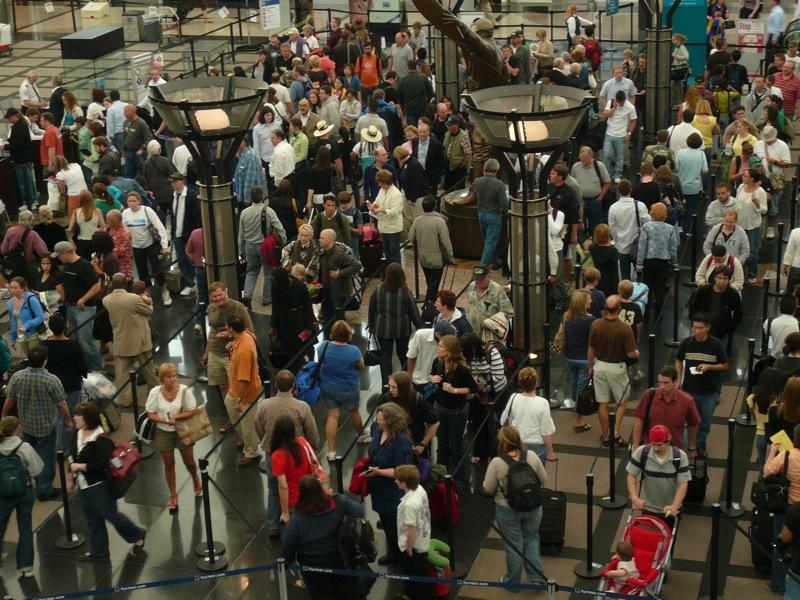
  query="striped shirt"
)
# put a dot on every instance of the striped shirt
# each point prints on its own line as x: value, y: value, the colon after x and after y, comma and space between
x: 37, y: 393
x: 391, y: 313
x: 790, y: 88
x: 489, y: 375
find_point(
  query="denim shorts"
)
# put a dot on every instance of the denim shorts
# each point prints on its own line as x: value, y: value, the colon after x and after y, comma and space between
x: 347, y: 400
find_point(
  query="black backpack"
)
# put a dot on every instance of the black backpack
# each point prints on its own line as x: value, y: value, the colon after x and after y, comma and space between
x: 523, y: 490
x: 14, y: 479
x: 356, y: 544
x: 14, y: 261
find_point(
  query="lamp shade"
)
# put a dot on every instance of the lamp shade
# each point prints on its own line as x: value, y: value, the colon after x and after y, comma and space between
x: 527, y: 117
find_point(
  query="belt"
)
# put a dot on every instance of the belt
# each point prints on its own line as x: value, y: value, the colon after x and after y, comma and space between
x: 608, y: 362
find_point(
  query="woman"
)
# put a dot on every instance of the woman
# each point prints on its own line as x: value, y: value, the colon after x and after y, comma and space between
x: 575, y: 326
x: 90, y: 452
x: 658, y: 251
x: 11, y: 443
x: 156, y: 171
x: 339, y: 382
x: 285, y: 206
x: 50, y: 232
x: 104, y: 260
x: 724, y: 96
x: 50, y: 282
x: 750, y: 9
x: 262, y: 139
x: 262, y: 69
x: 789, y: 363
x: 706, y: 123
x: 606, y: 259
x: 72, y: 110
x: 319, y: 179
x: 292, y: 320
x: 71, y: 181
x: 97, y: 109
x: 412, y: 180
x: 530, y: 415
x: 166, y: 404
x: 690, y: 100
x: 751, y: 202
x: 311, y: 536
x: 83, y: 223
x: 786, y: 415
x: 25, y: 315
x: 739, y: 164
x: 520, y: 529
x: 314, y: 101
x: 646, y: 190
x: 315, y: 73
x: 487, y: 367
x: 555, y: 223
x: 574, y: 23
x: 411, y: 134
x: 742, y: 135
x: 105, y: 201
x: 291, y: 457
x: 422, y: 419
x: 767, y: 393
x: 389, y: 447
x: 692, y: 166
x: 542, y: 52
x: 304, y: 251
x: 388, y: 209
x: 453, y: 383
x: 350, y: 111
x: 299, y: 142
x: 392, y: 312
x: 150, y: 243
x: 679, y: 69
x: 278, y: 108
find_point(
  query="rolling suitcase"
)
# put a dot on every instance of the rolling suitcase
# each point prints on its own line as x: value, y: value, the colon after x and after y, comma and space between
x: 6, y: 43
x: 762, y: 530
x: 429, y: 312
x: 554, y: 519
x: 371, y: 252
x: 696, y: 491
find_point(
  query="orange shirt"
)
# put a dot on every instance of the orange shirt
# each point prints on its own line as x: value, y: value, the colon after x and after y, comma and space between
x: 51, y: 139
x: 368, y: 70
x: 244, y: 367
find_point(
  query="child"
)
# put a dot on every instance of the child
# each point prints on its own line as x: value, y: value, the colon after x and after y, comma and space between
x: 625, y: 569
x: 628, y: 64
x: 630, y: 313
x: 591, y: 277
x: 354, y: 218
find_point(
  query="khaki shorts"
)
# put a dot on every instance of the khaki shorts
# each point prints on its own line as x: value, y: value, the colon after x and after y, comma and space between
x: 611, y: 382
x: 218, y: 368
x: 167, y: 441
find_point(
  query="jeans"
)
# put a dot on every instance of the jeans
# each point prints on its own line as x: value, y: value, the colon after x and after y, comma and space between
x: 593, y: 213
x: 792, y: 588
x: 184, y: 262
x: 778, y: 576
x: 273, y: 498
x: 64, y: 438
x: 491, y: 225
x: 775, y: 205
x: 75, y: 318
x: 578, y: 371
x: 24, y: 507
x: 539, y: 450
x: 752, y: 262
x: 433, y: 277
x: 626, y: 266
x: 614, y: 154
x: 98, y: 506
x: 132, y: 164
x: 23, y: 173
x: 119, y: 142
x: 255, y: 264
x: 331, y: 311
x: 706, y: 403
x: 522, y: 532
x: 391, y: 247
x: 450, y: 440
x: 46, y: 449
x: 201, y: 279
x: 400, y: 347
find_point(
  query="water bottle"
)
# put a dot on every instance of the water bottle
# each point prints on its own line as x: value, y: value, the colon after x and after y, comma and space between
x: 729, y: 149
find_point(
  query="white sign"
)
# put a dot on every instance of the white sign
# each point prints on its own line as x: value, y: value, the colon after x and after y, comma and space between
x: 48, y: 7
x: 270, y: 14
x: 751, y: 35
x: 152, y: 10
x: 140, y: 75
x: 385, y: 11
x: 223, y: 13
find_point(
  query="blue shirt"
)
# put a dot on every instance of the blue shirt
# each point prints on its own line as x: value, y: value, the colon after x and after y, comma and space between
x: 691, y: 164
x: 422, y: 151
x: 612, y: 86
x: 775, y: 21
x: 115, y: 118
x: 338, y: 371
x: 248, y: 175
x: 354, y: 219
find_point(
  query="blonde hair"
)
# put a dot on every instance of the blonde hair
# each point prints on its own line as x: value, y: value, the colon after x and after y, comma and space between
x: 400, y: 153
x: 572, y: 9
x: 153, y: 148
x: 455, y: 356
x: 602, y: 234
x: 298, y: 271
x: 702, y: 107
x: 165, y: 370
x: 45, y: 214
x: 508, y: 439
x: 577, y: 305
x: 307, y: 228
x: 341, y: 332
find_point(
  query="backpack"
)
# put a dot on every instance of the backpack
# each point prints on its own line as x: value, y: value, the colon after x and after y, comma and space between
x: 593, y: 52
x: 14, y: 479
x: 710, y: 260
x: 356, y: 544
x: 523, y: 490
x: 271, y: 244
x: 5, y: 356
x: 676, y: 460
x: 13, y: 263
x: 356, y: 281
x: 307, y: 379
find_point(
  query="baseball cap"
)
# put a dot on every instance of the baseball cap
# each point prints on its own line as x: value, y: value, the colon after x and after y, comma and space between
x: 453, y: 120
x: 443, y: 328
x: 659, y: 434
x: 479, y: 272
x: 61, y: 248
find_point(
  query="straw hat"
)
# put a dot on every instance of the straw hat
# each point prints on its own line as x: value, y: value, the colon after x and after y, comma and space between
x: 371, y: 134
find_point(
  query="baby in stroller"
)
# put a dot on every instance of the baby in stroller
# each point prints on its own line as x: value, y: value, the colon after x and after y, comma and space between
x: 625, y: 567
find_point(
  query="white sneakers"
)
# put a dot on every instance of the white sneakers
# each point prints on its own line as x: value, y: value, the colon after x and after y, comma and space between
x: 770, y: 233
x: 166, y: 298
x: 188, y: 290
x: 198, y: 329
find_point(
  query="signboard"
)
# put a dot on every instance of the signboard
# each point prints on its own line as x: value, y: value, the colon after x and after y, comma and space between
x: 270, y: 14
x: 612, y: 7
x: 223, y: 13
x: 139, y: 66
x: 385, y: 11
x: 751, y: 36
x: 48, y: 7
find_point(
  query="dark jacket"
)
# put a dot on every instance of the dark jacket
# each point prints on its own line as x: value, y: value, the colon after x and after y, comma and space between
x: 314, y: 534
x: 292, y: 312
x: 191, y: 215
x: 415, y: 91
x: 96, y: 455
x: 269, y: 68
x: 435, y: 164
x: 156, y: 171
x: 727, y: 315
x: 56, y: 104
x: 348, y: 265
x: 108, y: 164
x: 19, y: 147
x: 413, y: 180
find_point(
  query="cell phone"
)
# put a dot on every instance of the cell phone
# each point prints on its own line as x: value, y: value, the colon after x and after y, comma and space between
x: 695, y: 371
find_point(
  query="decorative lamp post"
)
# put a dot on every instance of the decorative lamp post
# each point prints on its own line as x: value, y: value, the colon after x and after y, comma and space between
x: 211, y: 115
x: 528, y: 119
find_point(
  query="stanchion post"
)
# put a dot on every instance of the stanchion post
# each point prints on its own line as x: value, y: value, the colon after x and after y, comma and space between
x: 417, y: 296
x: 546, y: 361
x: 211, y: 552
x: 201, y: 307
x: 145, y: 450
x: 578, y: 276
x: 457, y: 569
x: 744, y: 418
x: 676, y: 309
x: 69, y: 540
x: 589, y: 570
x: 612, y: 501
x: 651, y: 360
x: 713, y: 585
x: 283, y: 590
x: 552, y: 588
x: 339, y: 461
x: 731, y: 509
x: 764, y: 317
x: 693, y: 253
x: 778, y: 258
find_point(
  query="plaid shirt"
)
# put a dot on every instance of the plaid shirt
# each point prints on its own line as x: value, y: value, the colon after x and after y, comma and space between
x: 37, y: 393
x: 248, y: 174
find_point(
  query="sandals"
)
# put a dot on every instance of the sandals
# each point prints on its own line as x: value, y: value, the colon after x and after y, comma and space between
x: 172, y: 505
x: 583, y: 427
x: 226, y: 428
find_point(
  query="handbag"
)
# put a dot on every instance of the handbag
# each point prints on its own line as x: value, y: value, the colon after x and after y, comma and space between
x: 152, y: 229
x: 586, y: 403
x: 372, y: 358
x: 194, y: 428
x: 557, y: 345
x: 776, y: 489
x: 679, y: 72
x: 297, y: 219
x: 776, y: 178
x: 316, y: 469
x: 358, y: 483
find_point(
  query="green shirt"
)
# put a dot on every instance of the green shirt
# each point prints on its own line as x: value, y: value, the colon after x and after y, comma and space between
x: 300, y: 145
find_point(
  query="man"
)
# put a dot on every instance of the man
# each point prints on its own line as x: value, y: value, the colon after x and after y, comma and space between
x: 21, y: 151
x: 720, y: 58
x: 334, y: 33
x: 720, y: 257
x: 329, y: 104
x: 323, y: 135
x: 458, y: 152
x: 625, y: 218
x: 185, y: 218
x: 332, y: 218
x: 248, y: 173
x: 51, y: 145
x: 130, y: 321
x: 414, y: 92
x: 512, y: 65
x: 282, y: 93
x: 430, y: 154
x: 297, y: 44
x: 754, y: 101
x: 195, y: 249
x: 400, y: 55
x: 56, y: 102
x: 739, y: 115
x: 307, y: 118
x: 388, y: 111
x: 658, y: 476
x: 565, y: 199
x: 723, y: 203
x: 368, y: 69
x: 284, y: 61
x: 669, y: 406
x: 678, y: 134
x: 611, y: 343
x: 594, y: 181
x: 639, y: 78
x: 281, y: 166
x: 439, y: 125
x: 523, y: 55
x: 181, y: 157
x: 136, y: 136
x: 299, y: 85
x: 108, y: 161
x: 346, y: 52
x: 485, y: 298
x: 621, y: 123
x: 371, y: 187
x: 29, y: 95
x: 65, y: 361
x: 123, y: 242
x: 730, y: 235
x: 115, y: 121
x: 777, y: 328
x: 777, y: 63
x: 735, y: 73
x: 372, y: 119
x: 244, y: 388
x: 492, y: 207
x: 434, y: 248
x: 775, y: 24
x: 789, y: 85
x: 81, y: 287
x: 775, y: 155
x: 720, y: 303
x: 255, y: 223
x: 660, y: 148
x: 154, y: 81
x: 618, y: 83
x: 283, y: 404
x: 422, y: 352
x: 699, y: 360
x: 39, y: 398
x: 336, y: 270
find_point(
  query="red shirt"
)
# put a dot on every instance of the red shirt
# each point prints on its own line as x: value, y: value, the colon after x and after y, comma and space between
x: 674, y: 414
x: 51, y: 139
x: 283, y: 464
x: 790, y: 88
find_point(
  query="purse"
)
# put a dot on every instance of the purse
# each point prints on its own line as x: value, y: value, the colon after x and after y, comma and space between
x: 372, y: 358
x: 776, y: 178
x: 316, y: 468
x: 193, y: 429
x: 586, y: 403
x: 557, y: 345
x: 776, y: 489
x: 152, y: 229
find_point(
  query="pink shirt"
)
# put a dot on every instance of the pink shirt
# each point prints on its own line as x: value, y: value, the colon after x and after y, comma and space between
x: 34, y: 245
x: 195, y: 247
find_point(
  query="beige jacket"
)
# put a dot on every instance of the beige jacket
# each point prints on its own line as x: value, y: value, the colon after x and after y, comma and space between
x: 130, y: 321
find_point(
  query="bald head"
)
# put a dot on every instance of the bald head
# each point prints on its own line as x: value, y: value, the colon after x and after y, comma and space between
x: 327, y: 238
x: 130, y: 112
x: 119, y: 281
x: 612, y: 305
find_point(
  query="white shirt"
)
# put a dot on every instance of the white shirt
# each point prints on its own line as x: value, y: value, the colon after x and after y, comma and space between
x: 414, y: 511
x: 531, y: 416
x: 181, y: 158
x: 282, y: 163
x: 778, y: 149
x: 423, y: 348
x: 780, y: 327
x: 178, y: 211
x: 678, y: 134
x: 791, y: 257
x: 115, y: 118
x: 156, y: 403
x: 73, y: 179
x: 95, y: 112
x: 262, y: 141
x: 620, y: 120
x: 749, y: 215
x: 146, y: 103
x: 281, y: 92
x: 28, y: 92
x: 622, y: 222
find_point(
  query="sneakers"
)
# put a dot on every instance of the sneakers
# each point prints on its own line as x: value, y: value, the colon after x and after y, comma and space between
x: 166, y: 298
x: 331, y: 456
x: 198, y: 329
x: 365, y: 438
x: 188, y: 290
x: 770, y: 233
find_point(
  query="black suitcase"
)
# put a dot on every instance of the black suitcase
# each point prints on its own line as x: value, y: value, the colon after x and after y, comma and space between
x: 696, y: 491
x: 554, y: 520
x: 762, y: 531
x: 371, y: 250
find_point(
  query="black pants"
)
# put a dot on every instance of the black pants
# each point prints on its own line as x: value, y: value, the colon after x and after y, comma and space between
x: 655, y: 275
x: 389, y: 522
x: 455, y: 179
x: 417, y: 566
x: 324, y: 586
x: 401, y: 347
x: 482, y: 447
x: 433, y: 277
x: 148, y: 263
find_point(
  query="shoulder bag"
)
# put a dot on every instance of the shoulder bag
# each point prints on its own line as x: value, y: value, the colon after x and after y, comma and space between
x: 776, y: 175
x: 316, y: 469
x: 154, y: 233
x: 557, y: 345
x: 633, y: 249
x: 776, y: 489
x: 195, y: 427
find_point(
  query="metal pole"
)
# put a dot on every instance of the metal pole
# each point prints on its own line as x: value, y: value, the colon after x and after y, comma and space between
x: 145, y: 450
x: 651, y: 360
x: 201, y: 307
x: 676, y: 309
x: 416, y: 272
x: 69, y: 540
x: 283, y: 590
x: 194, y: 60
x: 211, y: 552
x: 744, y: 419
x: 523, y: 171
x: 339, y: 461
x: 713, y: 586
x: 448, y: 486
x: 72, y: 12
x: 732, y: 509
x: 588, y: 570
x: 695, y: 233
x: 612, y: 502
x: 764, y: 317
x: 778, y: 259
x: 552, y: 588
x: 546, y: 361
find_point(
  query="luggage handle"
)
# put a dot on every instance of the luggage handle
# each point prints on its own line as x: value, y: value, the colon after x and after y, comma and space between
x: 555, y: 486
x: 452, y: 270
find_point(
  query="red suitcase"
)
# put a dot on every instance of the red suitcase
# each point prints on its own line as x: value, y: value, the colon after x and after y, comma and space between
x: 371, y: 254
x: 438, y: 504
